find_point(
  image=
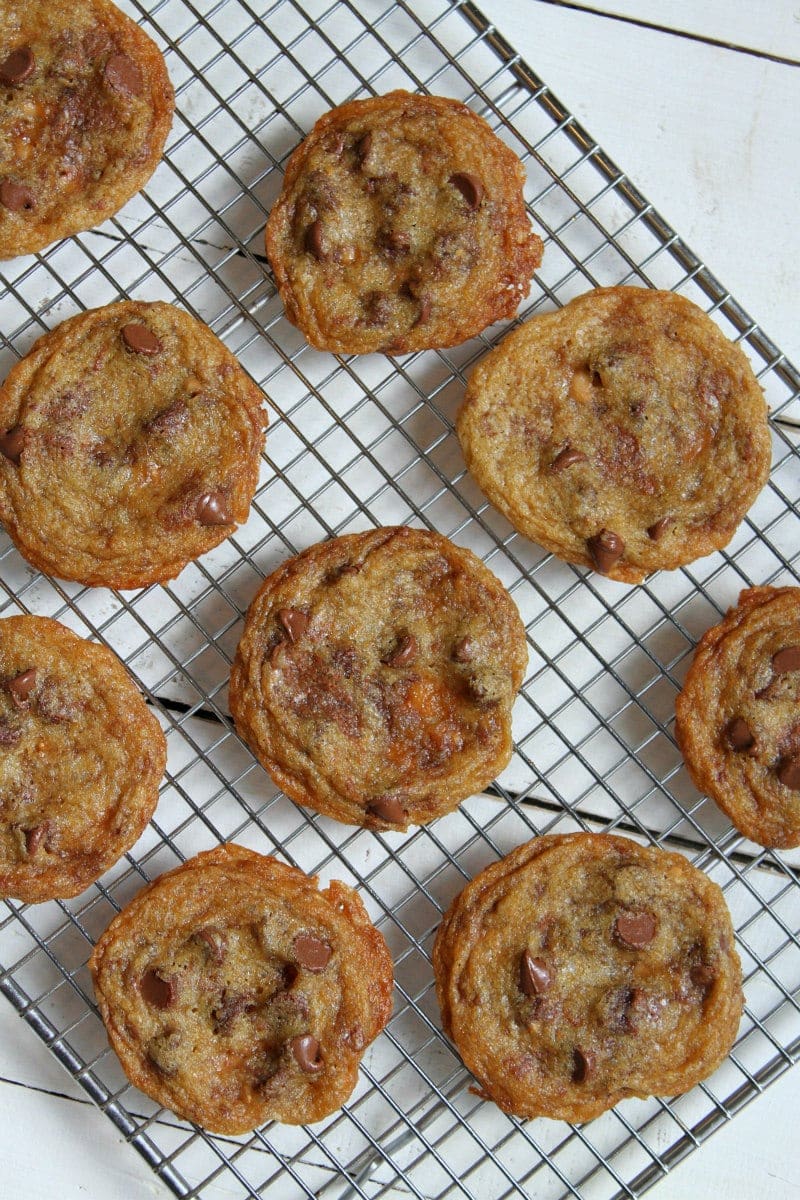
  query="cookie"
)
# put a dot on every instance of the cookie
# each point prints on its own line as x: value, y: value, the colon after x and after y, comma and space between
x: 623, y: 432
x: 585, y: 968
x: 130, y: 443
x: 376, y: 674
x: 87, y: 106
x: 401, y: 226
x: 737, y: 719
x: 235, y: 992
x: 81, y: 758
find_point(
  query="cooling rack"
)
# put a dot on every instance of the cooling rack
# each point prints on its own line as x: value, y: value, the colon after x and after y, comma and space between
x: 358, y: 442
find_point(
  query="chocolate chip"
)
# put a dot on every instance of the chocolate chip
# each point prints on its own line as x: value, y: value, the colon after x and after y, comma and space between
x: 21, y: 687
x: 35, y: 836
x: 464, y: 650
x: 12, y: 442
x: 212, y: 510
x: 305, y: 1049
x: 18, y: 67
x: 425, y: 308
x: 294, y: 622
x: 789, y: 772
x: 785, y: 660
x: 214, y: 941
x: 702, y: 976
x: 656, y: 532
x: 738, y: 735
x: 635, y: 930
x: 364, y: 145
x: 470, y: 187
x: 15, y: 197
x: 404, y: 652
x: 313, y: 241
x: 161, y: 993
x: 231, y: 1005
x: 123, y: 75
x: 311, y: 952
x: 140, y: 340
x: 534, y: 975
x: 606, y: 548
x: 388, y: 808
x: 583, y: 1064
x: 567, y: 458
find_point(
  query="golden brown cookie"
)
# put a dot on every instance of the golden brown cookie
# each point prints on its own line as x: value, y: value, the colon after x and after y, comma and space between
x: 585, y: 968
x: 235, y: 992
x: 376, y: 674
x: 623, y: 432
x: 81, y: 758
x: 130, y: 443
x: 87, y: 106
x: 401, y: 226
x: 737, y: 719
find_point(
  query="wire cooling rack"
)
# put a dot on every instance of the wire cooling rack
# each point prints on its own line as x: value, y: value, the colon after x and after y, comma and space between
x: 368, y: 441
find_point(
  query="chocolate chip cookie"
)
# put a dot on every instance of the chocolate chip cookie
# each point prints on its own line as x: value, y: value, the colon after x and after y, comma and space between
x: 585, y: 968
x: 737, y: 719
x: 87, y: 106
x: 235, y: 992
x: 81, y: 758
x: 130, y: 443
x: 401, y: 226
x: 376, y: 674
x: 623, y: 432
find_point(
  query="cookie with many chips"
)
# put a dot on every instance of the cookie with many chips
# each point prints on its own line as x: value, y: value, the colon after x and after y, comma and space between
x: 737, y: 719
x: 130, y: 442
x: 376, y: 674
x: 622, y: 432
x: 584, y: 968
x: 87, y: 106
x: 81, y: 758
x: 235, y: 992
x: 401, y: 226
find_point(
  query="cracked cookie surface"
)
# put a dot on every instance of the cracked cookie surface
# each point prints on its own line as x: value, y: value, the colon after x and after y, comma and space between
x: 87, y: 106
x: 235, y: 992
x: 737, y: 718
x: 81, y: 758
x: 623, y: 432
x: 583, y: 968
x: 401, y: 226
x: 130, y: 443
x: 376, y: 674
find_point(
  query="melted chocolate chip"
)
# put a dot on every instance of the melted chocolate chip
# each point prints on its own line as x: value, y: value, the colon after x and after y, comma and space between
x: 470, y: 187
x: 123, y: 75
x: 313, y: 241
x: 364, y: 145
x: 16, y: 197
x: 18, y: 67
x: 140, y: 340
x: 606, y: 548
x: 388, y: 808
x: 212, y: 510
x: 161, y: 993
x: 12, y: 443
x: 464, y: 650
x: 635, y: 929
x: 702, y: 976
x: 35, y: 837
x: 739, y: 736
x: 311, y: 952
x: 535, y: 976
x: 305, y: 1049
x: 425, y: 309
x: 214, y: 941
x: 788, y: 772
x: 231, y: 1005
x: 404, y: 653
x: 656, y: 532
x: 567, y: 458
x: 785, y: 660
x: 583, y: 1064
x: 294, y: 622
x: 21, y: 687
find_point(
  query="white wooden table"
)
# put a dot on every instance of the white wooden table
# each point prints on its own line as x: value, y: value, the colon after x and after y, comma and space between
x: 699, y: 104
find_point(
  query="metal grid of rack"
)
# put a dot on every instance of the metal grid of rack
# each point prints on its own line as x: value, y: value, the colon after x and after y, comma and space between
x: 358, y: 442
